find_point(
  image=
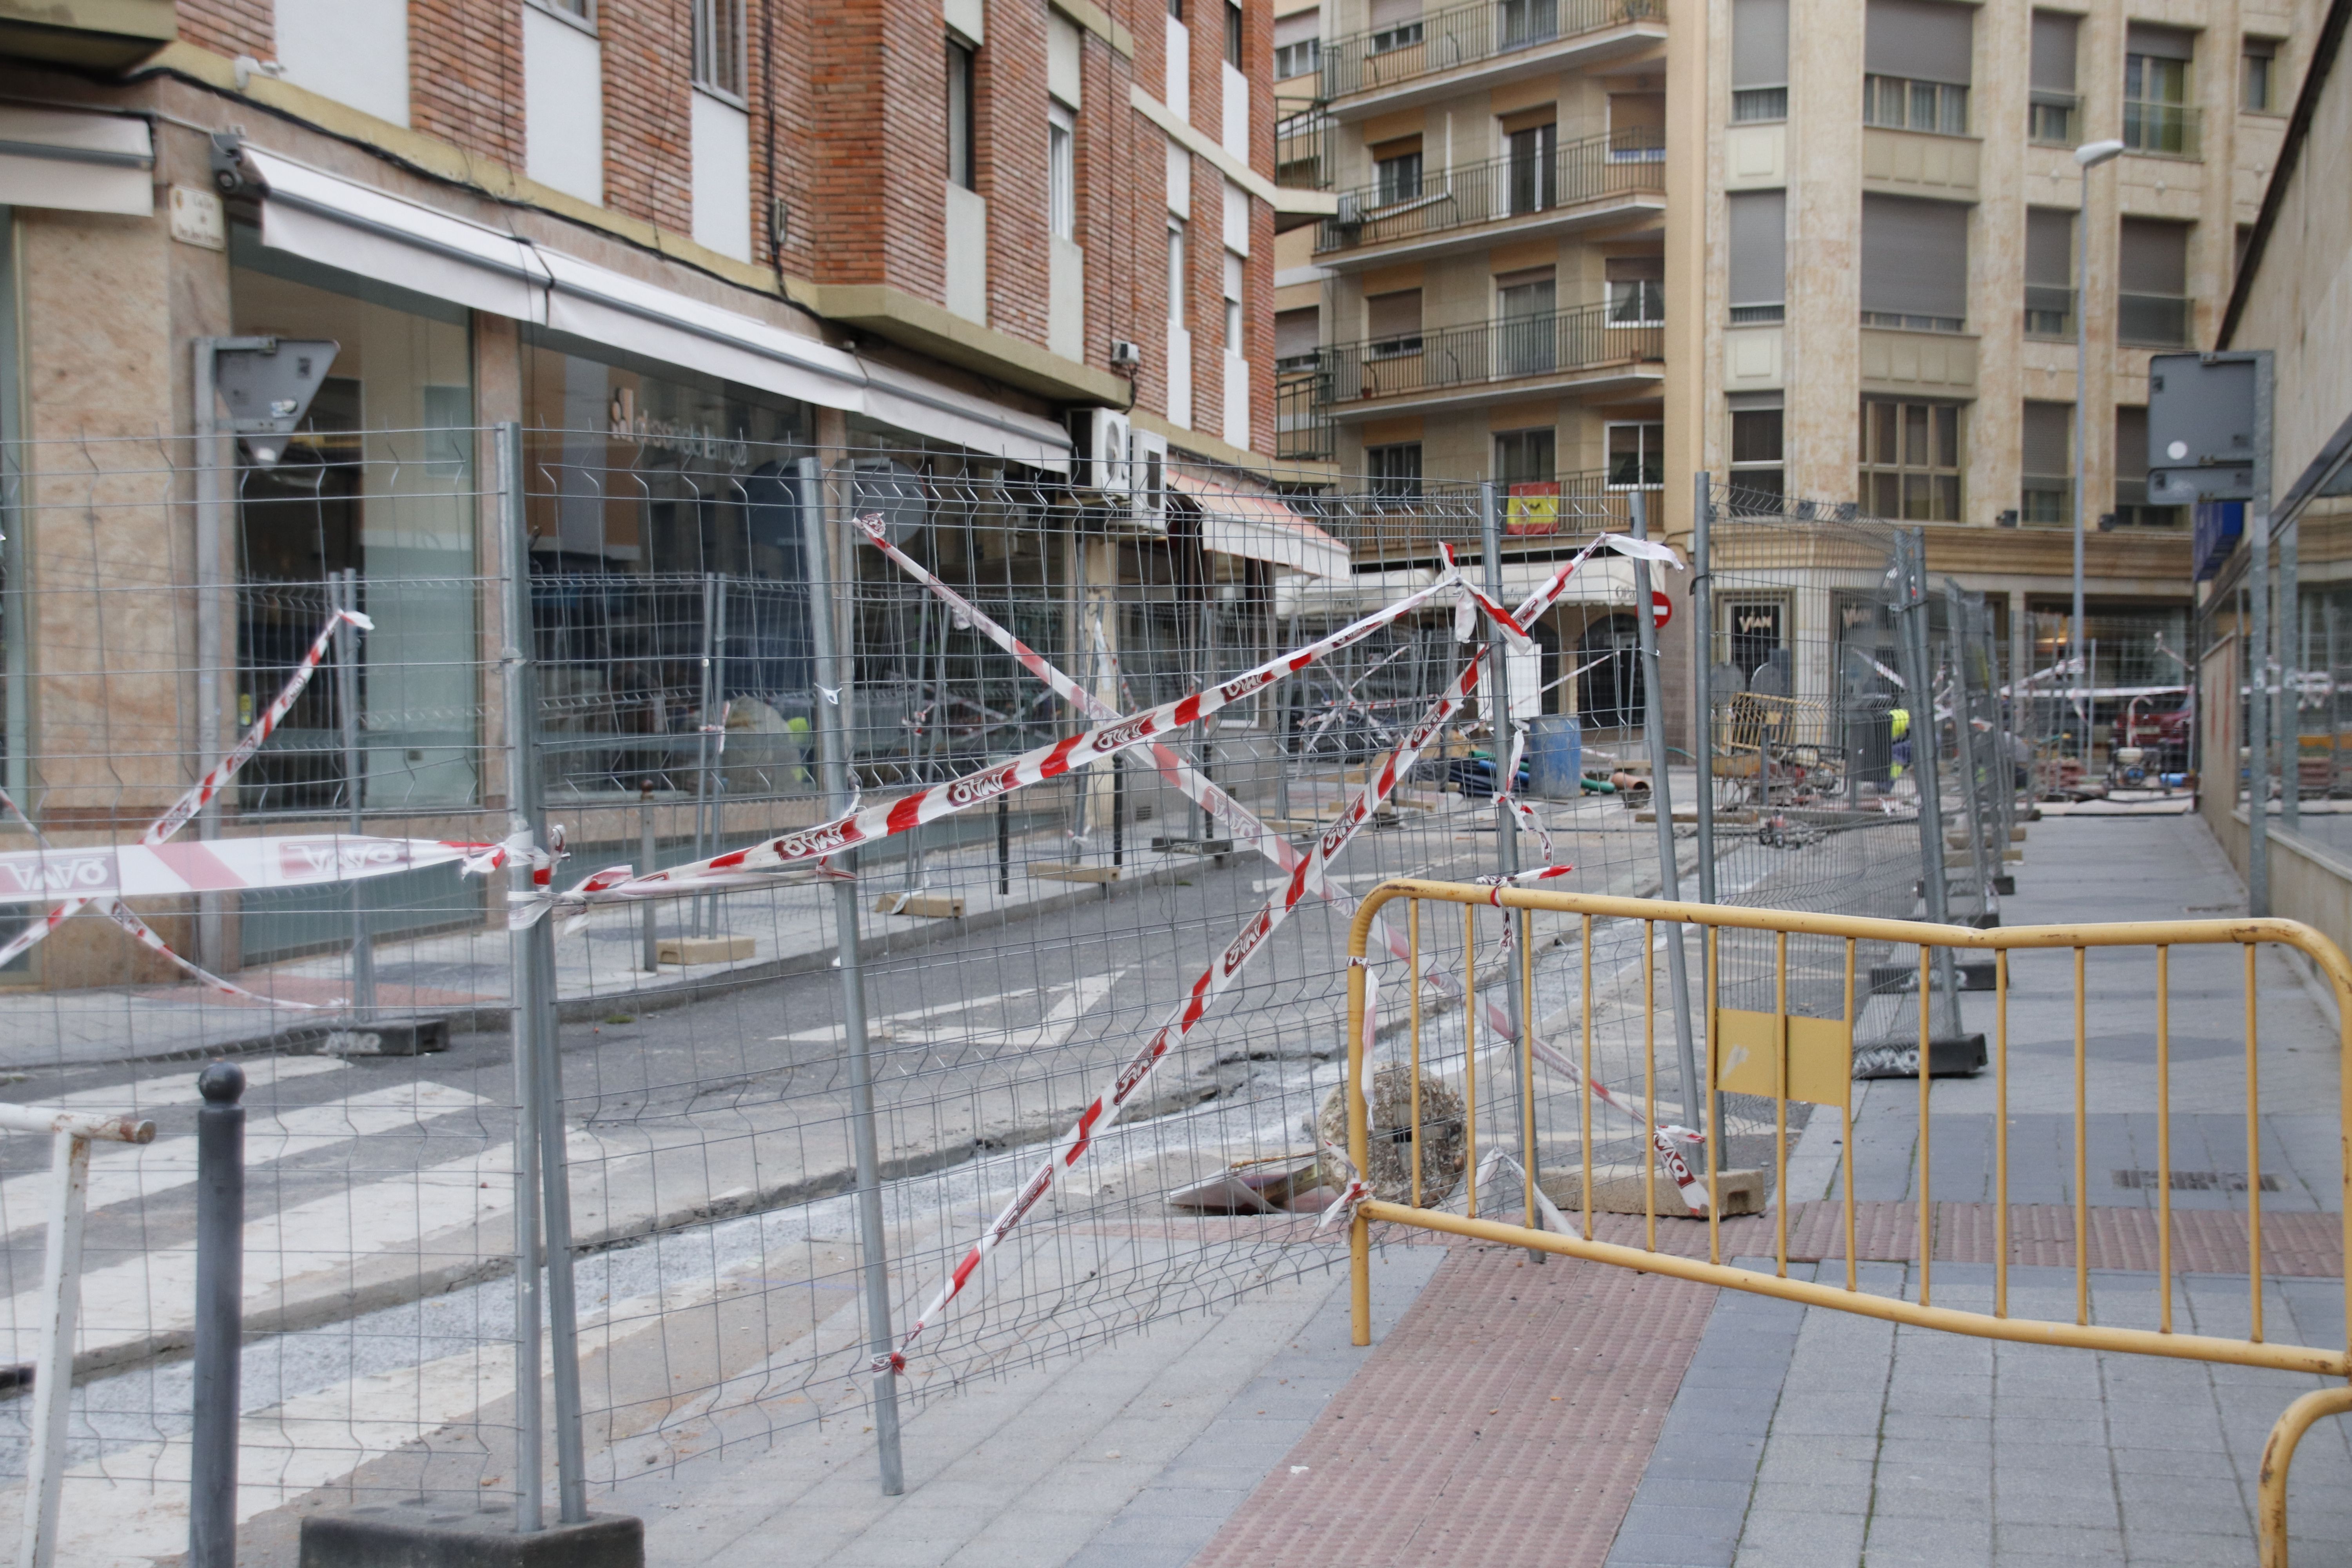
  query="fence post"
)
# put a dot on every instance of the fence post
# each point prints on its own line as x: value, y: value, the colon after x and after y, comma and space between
x: 647, y: 853
x: 1703, y: 680
x: 1504, y: 724
x: 347, y: 697
x: 1964, y: 748
x: 53, y: 1364
x: 833, y: 678
x: 1662, y: 802
x: 1919, y: 697
x: 220, y: 1318
x: 520, y: 695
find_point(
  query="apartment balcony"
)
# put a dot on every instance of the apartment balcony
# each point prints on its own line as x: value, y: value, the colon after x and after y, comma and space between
x: 1574, y: 350
x: 1302, y: 145
x: 1473, y: 48
x: 1599, y: 180
x: 106, y: 35
x: 1396, y: 527
x: 1303, y: 431
x: 2164, y: 130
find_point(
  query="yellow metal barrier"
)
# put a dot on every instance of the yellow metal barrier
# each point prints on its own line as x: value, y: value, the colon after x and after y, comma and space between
x: 1784, y: 1055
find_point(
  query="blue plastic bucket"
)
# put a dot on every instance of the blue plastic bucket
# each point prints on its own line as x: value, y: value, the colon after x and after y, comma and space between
x: 1555, y: 756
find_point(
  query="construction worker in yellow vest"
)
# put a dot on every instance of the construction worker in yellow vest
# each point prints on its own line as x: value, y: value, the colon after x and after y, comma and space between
x: 1899, y: 725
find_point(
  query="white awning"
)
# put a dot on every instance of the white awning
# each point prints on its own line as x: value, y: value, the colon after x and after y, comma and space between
x: 72, y: 162
x: 1605, y: 579
x: 1258, y: 527
x: 339, y: 222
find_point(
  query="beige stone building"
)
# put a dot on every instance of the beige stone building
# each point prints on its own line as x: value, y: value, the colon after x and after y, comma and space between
x: 1818, y: 249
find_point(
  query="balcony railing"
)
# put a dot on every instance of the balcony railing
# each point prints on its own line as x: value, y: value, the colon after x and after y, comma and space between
x: 1444, y: 39
x: 1303, y: 432
x: 1399, y: 527
x: 1617, y: 162
x: 2163, y: 130
x: 2049, y: 310
x: 1302, y: 145
x: 2155, y: 321
x: 1509, y: 350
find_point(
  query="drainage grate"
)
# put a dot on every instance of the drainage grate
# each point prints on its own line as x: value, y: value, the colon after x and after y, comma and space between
x: 2193, y: 1181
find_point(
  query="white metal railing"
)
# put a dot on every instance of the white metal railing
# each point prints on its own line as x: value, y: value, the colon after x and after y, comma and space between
x: 70, y: 1134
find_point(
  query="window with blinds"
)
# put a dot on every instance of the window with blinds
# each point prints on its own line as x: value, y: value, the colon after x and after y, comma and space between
x: 2049, y: 272
x: 2045, y: 465
x: 1758, y: 235
x: 1637, y: 290
x: 2052, y: 103
x: 1759, y: 59
x: 2158, y: 116
x: 2152, y: 305
x: 718, y: 53
x: 2132, y: 510
x: 1917, y: 58
x: 1394, y: 323
x: 1914, y: 264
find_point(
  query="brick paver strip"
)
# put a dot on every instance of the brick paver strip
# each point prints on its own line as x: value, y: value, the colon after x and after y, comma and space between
x: 2204, y: 1241
x: 1506, y: 1420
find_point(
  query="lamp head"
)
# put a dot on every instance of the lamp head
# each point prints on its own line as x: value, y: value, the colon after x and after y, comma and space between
x: 2091, y: 155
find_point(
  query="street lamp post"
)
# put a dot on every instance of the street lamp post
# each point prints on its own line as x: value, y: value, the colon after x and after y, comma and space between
x: 2087, y: 157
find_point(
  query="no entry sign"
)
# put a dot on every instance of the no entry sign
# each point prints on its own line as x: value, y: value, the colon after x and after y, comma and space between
x: 1662, y: 609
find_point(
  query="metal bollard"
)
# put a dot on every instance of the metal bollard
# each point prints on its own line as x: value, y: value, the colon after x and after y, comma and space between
x: 220, y: 1317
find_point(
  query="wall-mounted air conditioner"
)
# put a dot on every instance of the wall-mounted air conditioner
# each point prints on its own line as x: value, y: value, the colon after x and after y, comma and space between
x: 1101, y: 436
x: 1147, y: 473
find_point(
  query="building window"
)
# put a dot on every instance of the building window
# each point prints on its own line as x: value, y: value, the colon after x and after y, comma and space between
x: 1297, y: 339
x: 1756, y: 457
x: 1233, y: 303
x: 1637, y: 454
x: 2158, y: 116
x: 1759, y: 255
x: 2258, y: 77
x: 1533, y: 152
x: 1400, y: 36
x: 963, y: 165
x: 1061, y: 171
x: 1395, y: 470
x: 718, y: 61
x: 1304, y: 57
x: 1175, y: 10
x: 1911, y: 461
x: 1526, y: 22
x: 1637, y: 290
x: 1914, y: 264
x: 2051, y: 101
x: 1233, y: 35
x: 2132, y: 510
x: 1527, y: 327
x: 1917, y: 62
x: 1759, y: 59
x: 581, y: 10
x: 1394, y: 323
x: 1523, y: 456
x: 2049, y: 272
x: 1397, y: 173
x: 2152, y: 305
x: 1178, y: 314
x: 2046, y: 485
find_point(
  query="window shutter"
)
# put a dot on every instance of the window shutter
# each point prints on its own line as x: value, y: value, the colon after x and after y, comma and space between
x: 2049, y: 246
x: 1928, y: 40
x: 1760, y: 43
x: 1396, y: 315
x: 1297, y: 27
x: 2048, y: 439
x: 2131, y: 446
x: 1759, y: 248
x: 1297, y: 333
x: 2053, y: 51
x: 2153, y: 257
x: 1640, y: 269
x: 2163, y: 43
x: 1915, y: 257
x: 1387, y: 13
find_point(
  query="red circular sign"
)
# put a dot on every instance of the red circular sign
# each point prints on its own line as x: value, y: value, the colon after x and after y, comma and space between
x: 1662, y: 609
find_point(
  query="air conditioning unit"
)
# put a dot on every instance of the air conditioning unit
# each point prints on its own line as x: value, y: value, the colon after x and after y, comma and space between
x: 1148, y: 477
x: 1101, y: 436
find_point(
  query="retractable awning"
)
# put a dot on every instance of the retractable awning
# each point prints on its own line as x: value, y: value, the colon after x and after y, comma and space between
x: 72, y: 162
x: 1258, y: 527
x: 339, y: 222
x: 1604, y: 580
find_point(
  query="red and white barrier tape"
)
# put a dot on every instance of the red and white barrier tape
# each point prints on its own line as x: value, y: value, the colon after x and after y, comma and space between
x: 1212, y: 983
x: 184, y: 809
x: 1103, y: 739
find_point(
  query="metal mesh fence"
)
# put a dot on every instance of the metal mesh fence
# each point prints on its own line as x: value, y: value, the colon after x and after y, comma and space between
x: 1010, y: 952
